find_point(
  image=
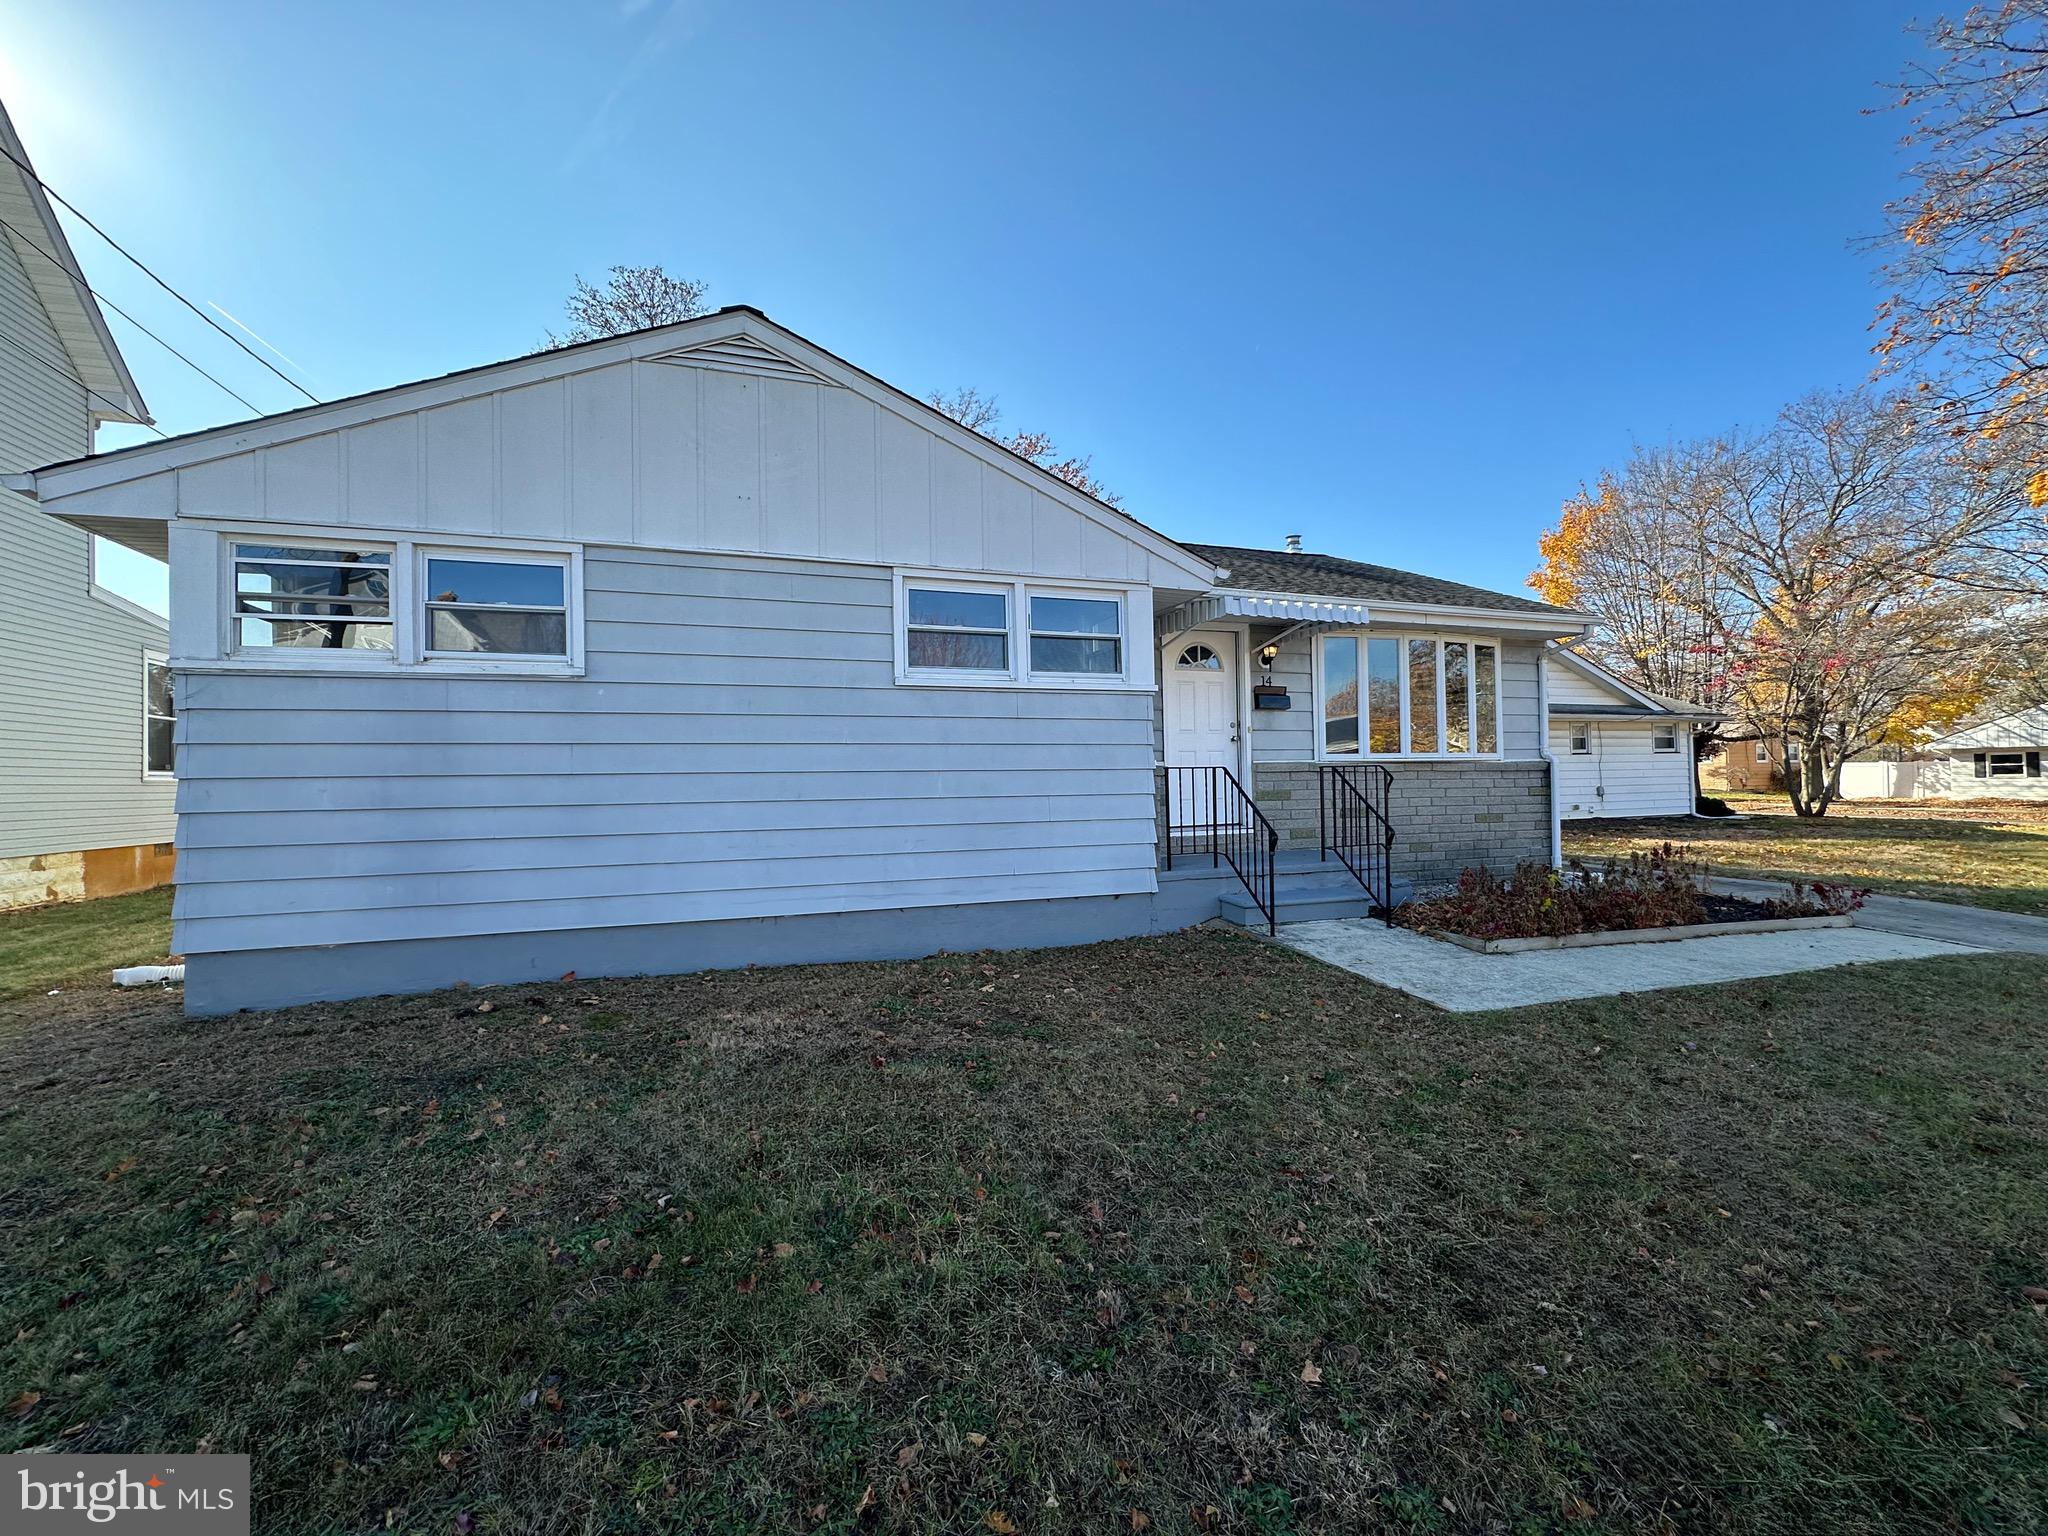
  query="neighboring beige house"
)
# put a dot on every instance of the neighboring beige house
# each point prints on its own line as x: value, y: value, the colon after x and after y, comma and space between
x: 85, y: 697
x: 1757, y: 765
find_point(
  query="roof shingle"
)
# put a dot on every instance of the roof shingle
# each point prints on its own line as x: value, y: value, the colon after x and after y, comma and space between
x: 1272, y: 570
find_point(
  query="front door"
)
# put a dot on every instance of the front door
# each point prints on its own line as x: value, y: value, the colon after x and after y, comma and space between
x: 1199, y: 674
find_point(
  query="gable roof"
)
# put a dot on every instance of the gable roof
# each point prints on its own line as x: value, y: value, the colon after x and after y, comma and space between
x: 1631, y: 701
x: 37, y: 240
x: 737, y: 336
x: 1272, y: 570
x: 2021, y: 728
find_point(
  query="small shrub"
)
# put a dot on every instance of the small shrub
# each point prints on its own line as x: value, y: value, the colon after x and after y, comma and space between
x: 1712, y: 805
x: 1817, y: 899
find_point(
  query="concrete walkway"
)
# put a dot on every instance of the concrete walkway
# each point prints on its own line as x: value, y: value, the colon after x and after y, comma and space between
x: 1979, y: 927
x: 1465, y: 982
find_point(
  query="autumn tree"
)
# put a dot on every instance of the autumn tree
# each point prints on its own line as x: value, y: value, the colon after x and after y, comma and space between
x: 1847, y: 534
x: 632, y: 299
x: 979, y: 413
x: 1631, y: 549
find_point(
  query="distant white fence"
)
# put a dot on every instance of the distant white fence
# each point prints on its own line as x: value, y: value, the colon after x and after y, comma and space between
x: 1894, y: 781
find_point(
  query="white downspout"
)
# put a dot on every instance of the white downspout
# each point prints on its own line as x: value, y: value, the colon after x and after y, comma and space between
x: 1543, y: 749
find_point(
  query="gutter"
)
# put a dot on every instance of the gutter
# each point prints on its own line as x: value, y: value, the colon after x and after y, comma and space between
x: 1543, y: 751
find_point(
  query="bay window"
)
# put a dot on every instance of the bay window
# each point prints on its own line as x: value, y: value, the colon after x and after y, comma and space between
x: 1419, y: 696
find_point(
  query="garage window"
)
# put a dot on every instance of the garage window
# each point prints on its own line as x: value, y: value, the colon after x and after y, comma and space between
x: 1664, y: 738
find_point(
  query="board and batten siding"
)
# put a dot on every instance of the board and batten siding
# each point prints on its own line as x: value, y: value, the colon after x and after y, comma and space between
x: 71, y: 680
x: 666, y: 454
x: 738, y: 748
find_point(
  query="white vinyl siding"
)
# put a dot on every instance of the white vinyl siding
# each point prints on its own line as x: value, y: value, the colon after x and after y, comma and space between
x: 1622, y: 772
x: 738, y: 747
x: 70, y: 664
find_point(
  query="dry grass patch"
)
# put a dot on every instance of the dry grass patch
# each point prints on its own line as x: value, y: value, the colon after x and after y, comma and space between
x: 1194, y: 1228
x: 1990, y: 855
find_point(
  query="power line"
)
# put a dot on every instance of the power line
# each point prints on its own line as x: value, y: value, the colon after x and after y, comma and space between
x: 29, y: 171
x: 79, y: 278
x: 70, y: 378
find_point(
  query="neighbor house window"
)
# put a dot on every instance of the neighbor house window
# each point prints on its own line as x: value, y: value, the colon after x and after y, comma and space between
x: 1077, y: 636
x: 328, y: 597
x: 1418, y: 696
x: 1582, y: 738
x: 2008, y: 764
x: 1763, y: 752
x: 951, y: 629
x: 492, y: 605
x: 1791, y: 754
x: 159, y: 719
x: 1664, y: 738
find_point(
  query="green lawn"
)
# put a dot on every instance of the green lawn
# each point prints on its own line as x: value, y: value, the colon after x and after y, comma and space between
x: 80, y: 942
x: 1985, y: 855
x: 1179, y: 1234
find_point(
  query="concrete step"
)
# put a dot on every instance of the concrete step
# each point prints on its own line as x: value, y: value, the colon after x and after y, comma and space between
x: 1307, y: 898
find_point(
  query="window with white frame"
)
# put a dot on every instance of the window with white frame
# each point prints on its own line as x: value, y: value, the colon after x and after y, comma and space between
x: 2008, y: 764
x: 1076, y: 636
x: 957, y: 629
x: 1582, y: 737
x: 1016, y: 632
x: 330, y: 597
x: 159, y: 719
x: 1664, y: 737
x: 1410, y: 696
x: 332, y: 600
x: 495, y: 605
x: 1763, y: 751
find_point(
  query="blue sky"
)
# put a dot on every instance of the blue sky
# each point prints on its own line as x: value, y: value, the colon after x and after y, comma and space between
x: 1397, y: 277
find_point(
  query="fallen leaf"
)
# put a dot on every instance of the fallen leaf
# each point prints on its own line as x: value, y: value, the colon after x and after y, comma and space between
x: 126, y: 1165
x: 24, y: 1405
x: 785, y: 1250
x: 746, y: 1286
x: 1140, y: 1521
x: 976, y: 1440
x: 486, y: 1006
x: 867, y: 1501
x: 1000, y: 1523
x: 909, y: 1452
x: 1311, y: 1374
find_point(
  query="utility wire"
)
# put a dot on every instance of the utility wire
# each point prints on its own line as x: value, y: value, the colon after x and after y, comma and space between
x: 70, y: 378
x: 79, y: 279
x: 29, y: 172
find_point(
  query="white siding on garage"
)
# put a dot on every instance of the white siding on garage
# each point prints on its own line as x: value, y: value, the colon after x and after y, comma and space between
x: 738, y: 749
x: 70, y: 664
x: 1623, y: 774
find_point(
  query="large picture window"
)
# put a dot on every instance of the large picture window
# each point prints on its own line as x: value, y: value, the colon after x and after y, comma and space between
x: 1418, y: 696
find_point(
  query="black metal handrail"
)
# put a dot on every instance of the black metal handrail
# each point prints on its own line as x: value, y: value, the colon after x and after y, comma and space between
x: 1357, y: 825
x: 1208, y: 811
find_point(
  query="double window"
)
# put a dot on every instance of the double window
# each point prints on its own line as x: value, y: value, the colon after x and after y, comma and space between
x: 1010, y: 632
x: 401, y: 602
x: 1410, y: 696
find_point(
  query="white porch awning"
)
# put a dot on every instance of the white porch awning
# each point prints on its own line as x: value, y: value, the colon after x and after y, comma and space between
x: 1212, y: 606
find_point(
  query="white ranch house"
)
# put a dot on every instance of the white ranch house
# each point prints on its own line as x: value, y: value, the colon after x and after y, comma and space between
x: 1995, y: 759
x: 699, y: 646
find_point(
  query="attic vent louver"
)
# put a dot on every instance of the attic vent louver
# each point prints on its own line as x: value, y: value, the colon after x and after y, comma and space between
x: 741, y: 354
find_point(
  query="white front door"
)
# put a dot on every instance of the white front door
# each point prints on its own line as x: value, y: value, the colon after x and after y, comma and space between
x: 1199, y: 674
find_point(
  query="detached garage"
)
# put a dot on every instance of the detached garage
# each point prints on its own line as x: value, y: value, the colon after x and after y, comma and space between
x: 1617, y: 750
